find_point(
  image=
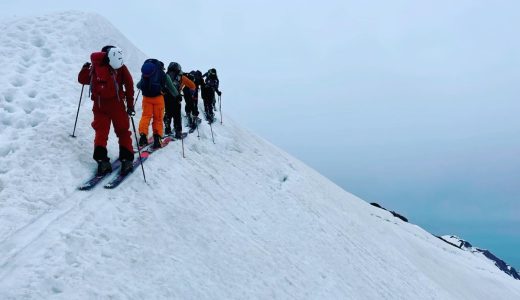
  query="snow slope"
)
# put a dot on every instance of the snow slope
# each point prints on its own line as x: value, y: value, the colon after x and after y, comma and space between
x: 233, y: 220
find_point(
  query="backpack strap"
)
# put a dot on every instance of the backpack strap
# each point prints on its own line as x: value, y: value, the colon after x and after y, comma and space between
x: 117, y: 85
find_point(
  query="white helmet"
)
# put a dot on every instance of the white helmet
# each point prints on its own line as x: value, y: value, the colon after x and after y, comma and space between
x: 115, y: 57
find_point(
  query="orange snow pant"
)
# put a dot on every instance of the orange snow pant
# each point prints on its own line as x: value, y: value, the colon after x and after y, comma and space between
x: 153, y: 108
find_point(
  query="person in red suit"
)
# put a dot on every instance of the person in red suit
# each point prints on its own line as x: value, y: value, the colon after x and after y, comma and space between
x: 112, y: 93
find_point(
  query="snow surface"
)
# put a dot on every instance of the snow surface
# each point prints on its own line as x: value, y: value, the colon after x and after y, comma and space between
x: 233, y: 220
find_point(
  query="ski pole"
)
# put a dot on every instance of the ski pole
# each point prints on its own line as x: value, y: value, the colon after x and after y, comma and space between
x: 212, y: 137
x: 182, y: 143
x: 137, y: 97
x: 138, y: 149
x: 136, y: 140
x: 220, y: 108
x: 197, y: 126
x: 77, y: 113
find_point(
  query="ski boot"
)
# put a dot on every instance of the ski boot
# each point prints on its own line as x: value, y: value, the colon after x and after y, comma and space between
x: 156, y: 141
x: 211, y: 117
x: 143, y: 141
x: 167, y: 129
x: 189, y: 120
x: 178, y: 134
x: 104, y: 167
x: 127, y: 166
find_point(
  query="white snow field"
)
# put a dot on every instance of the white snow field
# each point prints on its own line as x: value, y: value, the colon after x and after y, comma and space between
x: 239, y: 219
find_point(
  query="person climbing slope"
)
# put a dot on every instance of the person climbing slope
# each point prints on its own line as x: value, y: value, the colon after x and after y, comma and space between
x: 191, y: 98
x: 209, y: 88
x: 173, y: 102
x: 111, y: 86
x: 153, y: 84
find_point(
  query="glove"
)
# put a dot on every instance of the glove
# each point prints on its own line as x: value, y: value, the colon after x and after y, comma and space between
x: 86, y: 65
x: 130, y: 111
x: 219, y: 93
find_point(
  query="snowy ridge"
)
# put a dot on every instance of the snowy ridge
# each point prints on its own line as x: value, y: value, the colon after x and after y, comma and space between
x: 236, y: 219
x: 466, y: 246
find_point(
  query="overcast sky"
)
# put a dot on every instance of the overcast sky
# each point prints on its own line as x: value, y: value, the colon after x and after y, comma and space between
x: 412, y: 104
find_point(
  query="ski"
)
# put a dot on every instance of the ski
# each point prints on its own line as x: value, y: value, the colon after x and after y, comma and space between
x: 119, y: 178
x: 137, y: 162
x: 166, y: 140
x: 172, y: 136
x: 92, y: 182
x: 143, y: 148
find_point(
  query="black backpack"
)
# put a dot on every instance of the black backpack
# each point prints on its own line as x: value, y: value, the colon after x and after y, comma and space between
x: 153, y: 78
x: 196, y: 77
x: 191, y: 76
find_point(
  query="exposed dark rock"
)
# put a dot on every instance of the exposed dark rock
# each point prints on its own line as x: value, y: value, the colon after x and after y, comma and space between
x: 392, y: 212
x: 399, y: 216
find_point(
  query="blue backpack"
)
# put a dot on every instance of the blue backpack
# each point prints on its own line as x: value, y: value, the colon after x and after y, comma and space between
x: 153, y: 78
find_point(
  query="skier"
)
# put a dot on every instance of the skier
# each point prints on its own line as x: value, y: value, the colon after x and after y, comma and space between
x: 111, y: 86
x: 152, y: 84
x: 209, y: 88
x: 192, y: 98
x: 173, y: 102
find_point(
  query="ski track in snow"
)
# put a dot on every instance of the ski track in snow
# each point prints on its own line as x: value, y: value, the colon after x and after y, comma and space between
x: 233, y: 220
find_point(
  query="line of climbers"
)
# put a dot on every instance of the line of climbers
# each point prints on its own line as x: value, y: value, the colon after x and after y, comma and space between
x: 112, y: 93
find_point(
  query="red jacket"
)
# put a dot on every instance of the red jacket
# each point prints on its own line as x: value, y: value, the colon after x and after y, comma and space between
x: 124, y: 81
